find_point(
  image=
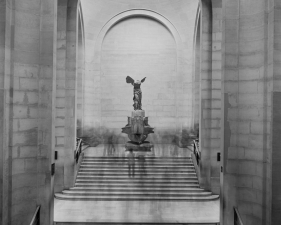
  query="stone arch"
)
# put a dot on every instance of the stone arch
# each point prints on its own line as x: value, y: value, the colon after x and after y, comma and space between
x: 70, y: 70
x: 137, y: 12
x: 80, y: 72
x: 179, y: 70
x: 196, y: 70
x: 207, y: 78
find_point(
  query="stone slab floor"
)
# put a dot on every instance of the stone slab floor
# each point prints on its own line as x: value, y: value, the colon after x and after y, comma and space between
x: 136, y: 211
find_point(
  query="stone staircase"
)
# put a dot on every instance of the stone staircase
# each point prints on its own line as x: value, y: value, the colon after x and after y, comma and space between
x: 158, y: 178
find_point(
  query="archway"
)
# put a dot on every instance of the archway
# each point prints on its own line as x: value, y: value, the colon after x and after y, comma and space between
x: 139, y: 47
x: 69, y: 92
x: 181, y: 104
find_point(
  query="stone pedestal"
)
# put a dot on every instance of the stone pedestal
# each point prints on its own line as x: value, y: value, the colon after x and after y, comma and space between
x: 138, y: 130
x: 140, y: 113
x: 143, y: 147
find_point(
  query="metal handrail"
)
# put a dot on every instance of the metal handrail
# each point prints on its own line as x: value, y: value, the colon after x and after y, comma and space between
x: 78, y: 148
x: 196, y: 151
x: 237, y: 217
x: 83, y: 139
x: 36, y: 217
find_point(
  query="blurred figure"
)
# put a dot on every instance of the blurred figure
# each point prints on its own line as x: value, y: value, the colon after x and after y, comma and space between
x: 141, y: 159
x: 131, y: 163
x: 105, y: 144
x: 110, y: 142
x: 174, y: 146
x: 164, y: 143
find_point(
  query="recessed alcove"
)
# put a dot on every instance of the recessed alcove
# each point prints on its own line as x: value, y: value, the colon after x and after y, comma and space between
x: 138, y: 47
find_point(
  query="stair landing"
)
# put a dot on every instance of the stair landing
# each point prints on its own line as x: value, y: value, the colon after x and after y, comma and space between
x: 135, y: 211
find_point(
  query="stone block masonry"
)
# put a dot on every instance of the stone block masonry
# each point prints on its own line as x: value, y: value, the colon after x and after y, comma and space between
x: 26, y: 109
x: 248, y: 120
x: 129, y: 48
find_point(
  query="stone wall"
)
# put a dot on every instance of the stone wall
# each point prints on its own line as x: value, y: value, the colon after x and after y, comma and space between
x: 2, y: 99
x: 60, y: 93
x: 80, y: 74
x: 171, y: 108
x: 208, y: 74
x: 28, y: 32
x: 274, y: 66
x: 196, y: 71
x: 216, y: 104
x: 247, y: 87
x: 205, y: 93
x: 129, y: 48
x: 66, y: 95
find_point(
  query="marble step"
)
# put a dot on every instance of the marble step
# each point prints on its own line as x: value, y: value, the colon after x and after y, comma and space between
x: 147, y: 170
x: 125, y: 171
x: 151, y: 169
x: 125, y: 165
x: 143, y: 189
x: 121, y: 170
x: 137, y: 178
x: 137, y: 173
x: 138, y: 185
x: 134, y: 180
x: 147, y: 157
x: 141, y: 176
x: 137, y: 161
x: 135, y: 193
x: 137, y: 165
x: 104, y: 223
x: 133, y: 197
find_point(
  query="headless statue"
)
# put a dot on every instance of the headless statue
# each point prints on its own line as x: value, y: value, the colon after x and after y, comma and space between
x: 137, y: 92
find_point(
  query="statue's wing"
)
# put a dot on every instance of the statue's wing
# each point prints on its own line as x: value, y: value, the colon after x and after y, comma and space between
x: 143, y: 80
x: 130, y: 80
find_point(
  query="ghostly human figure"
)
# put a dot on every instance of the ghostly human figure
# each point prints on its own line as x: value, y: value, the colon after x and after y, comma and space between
x: 131, y: 163
x: 137, y: 92
x: 142, y: 170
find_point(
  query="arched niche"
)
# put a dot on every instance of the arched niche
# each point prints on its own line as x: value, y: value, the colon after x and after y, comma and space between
x: 138, y: 46
x: 96, y: 62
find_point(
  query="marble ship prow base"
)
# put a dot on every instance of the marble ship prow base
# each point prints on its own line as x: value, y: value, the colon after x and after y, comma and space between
x: 138, y: 130
x: 136, y: 147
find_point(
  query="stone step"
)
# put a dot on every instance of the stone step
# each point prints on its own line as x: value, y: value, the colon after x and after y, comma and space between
x: 137, y: 161
x: 148, y: 171
x: 140, y: 176
x: 133, y: 180
x: 147, y: 157
x: 137, y: 165
x: 138, y: 185
x: 135, y: 193
x: 142, y: 189
x: 125, y: 170
x: 104, y: 223
x: 139, y: 198
x: 149, y: 176
x: 125, y: 165
x: 137, y: 174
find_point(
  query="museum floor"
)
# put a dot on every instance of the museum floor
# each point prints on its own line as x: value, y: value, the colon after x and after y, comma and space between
x: 136, y: 211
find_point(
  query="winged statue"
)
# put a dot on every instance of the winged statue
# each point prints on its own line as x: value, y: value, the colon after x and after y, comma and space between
x: 137, y: 92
